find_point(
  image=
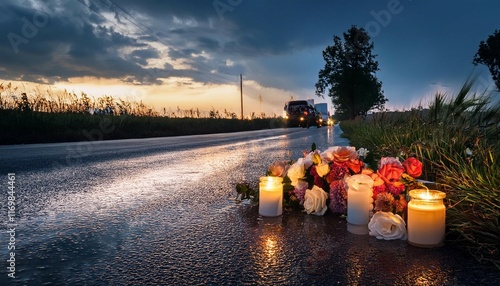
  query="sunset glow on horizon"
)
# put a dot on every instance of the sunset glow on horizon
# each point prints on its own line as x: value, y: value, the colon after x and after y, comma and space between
x: 178, y: 55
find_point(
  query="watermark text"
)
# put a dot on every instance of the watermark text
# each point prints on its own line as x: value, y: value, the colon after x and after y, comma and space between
x: 11, y: 224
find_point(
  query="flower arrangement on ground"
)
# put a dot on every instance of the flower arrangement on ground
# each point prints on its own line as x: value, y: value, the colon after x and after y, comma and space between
x: 393, y: 180
x: 316, y: 182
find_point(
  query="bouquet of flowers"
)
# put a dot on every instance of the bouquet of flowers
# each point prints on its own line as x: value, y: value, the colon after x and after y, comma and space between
x: 316, y: 182
x: 317, y: 179
x: 392, y: 181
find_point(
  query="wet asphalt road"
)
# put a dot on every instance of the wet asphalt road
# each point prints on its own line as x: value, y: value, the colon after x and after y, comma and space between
x: 161, y: 212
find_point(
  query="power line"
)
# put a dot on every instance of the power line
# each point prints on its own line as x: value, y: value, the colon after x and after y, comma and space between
x: 205, y: 70
x: 207, y: 75
x: 130, y: 18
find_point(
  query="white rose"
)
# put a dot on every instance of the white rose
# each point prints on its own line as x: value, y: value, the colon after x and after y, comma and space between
x: 388, y: 226
x: 327, y: 155
x: 315, y: 201
x: 296, y: 171
x: 322, y: 169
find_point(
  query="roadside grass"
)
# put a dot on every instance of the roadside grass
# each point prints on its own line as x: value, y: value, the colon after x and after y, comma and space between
x: 45, y: 116
x: 21, y: 127
x: 458, y: 140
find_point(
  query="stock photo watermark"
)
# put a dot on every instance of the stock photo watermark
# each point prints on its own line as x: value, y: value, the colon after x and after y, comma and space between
x: 11, y: 224
x: 223, y: 6
x: 29, y: 29
x: 383, y: 18
x: 74, y: 155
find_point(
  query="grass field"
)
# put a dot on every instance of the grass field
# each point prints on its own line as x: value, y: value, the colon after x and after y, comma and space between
x: 44, y: 117
x: 24, y: 127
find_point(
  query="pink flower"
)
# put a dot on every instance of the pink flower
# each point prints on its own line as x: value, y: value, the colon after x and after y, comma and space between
x: 278, y: 169
x: 338, y: 197
x: 339, y: 154
x: 300, y: 190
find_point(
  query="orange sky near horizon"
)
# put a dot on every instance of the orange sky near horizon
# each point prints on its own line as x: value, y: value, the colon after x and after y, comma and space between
x: 174, y: 94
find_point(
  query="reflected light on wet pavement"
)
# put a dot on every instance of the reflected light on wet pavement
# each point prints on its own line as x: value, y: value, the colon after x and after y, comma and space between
x: 269, y: 253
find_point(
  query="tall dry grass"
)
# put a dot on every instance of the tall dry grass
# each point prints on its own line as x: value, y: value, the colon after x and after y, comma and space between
x: 37, y: 100
x: 11, y: 98
x: 46, y: 116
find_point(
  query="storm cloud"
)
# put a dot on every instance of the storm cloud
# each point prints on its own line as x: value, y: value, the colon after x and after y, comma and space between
x: 275, y: 43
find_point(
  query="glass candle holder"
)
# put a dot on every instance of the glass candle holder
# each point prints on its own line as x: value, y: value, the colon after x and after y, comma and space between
x: 271, y: 196
x: 426, y: 218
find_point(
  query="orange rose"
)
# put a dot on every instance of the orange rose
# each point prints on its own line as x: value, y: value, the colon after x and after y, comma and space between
x: 344, y: 153
x: 413, y: 167
x: 390, y: 169
x: 355, y: 165
x: 377, y: 181
x: 367, y: 171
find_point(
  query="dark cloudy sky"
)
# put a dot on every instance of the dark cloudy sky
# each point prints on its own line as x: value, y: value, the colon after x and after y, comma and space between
x: 195, y: 50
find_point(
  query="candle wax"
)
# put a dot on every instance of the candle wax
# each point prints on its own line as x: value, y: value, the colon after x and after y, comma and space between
x: 270, y: 197
x: 426, y: 223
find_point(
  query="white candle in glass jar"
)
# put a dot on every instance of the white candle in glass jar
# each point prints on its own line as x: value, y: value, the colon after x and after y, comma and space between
x: 271, y: 196
x: 359, y: 199
x: 426, y: 218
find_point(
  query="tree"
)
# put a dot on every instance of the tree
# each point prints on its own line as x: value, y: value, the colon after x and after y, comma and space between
x: 349, y: 75
x: 488, y: 54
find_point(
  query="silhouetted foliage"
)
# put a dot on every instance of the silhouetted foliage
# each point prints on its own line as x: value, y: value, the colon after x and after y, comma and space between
x: 349, y: 75
x: 488, y: 54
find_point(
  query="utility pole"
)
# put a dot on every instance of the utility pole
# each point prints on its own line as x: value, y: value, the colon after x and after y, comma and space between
x: 260, y: 105
x: 241, y: 94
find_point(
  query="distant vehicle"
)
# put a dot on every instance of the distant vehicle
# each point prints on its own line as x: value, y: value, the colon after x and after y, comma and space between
x: 325, y: 114
x: 301, y: 113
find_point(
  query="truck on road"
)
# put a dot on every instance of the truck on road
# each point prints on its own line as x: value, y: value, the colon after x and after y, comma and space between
x: 322, y: 108
x: 301, y: 113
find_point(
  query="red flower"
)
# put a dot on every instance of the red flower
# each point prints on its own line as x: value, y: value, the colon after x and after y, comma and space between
x: 313, y: 171
x: 396, y: 188
x: 413, y: 167
x: 337, y: 172
x: 355, y: 165
x: 390, y: 170
x: 378, y: 189
x: 318, y: 181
